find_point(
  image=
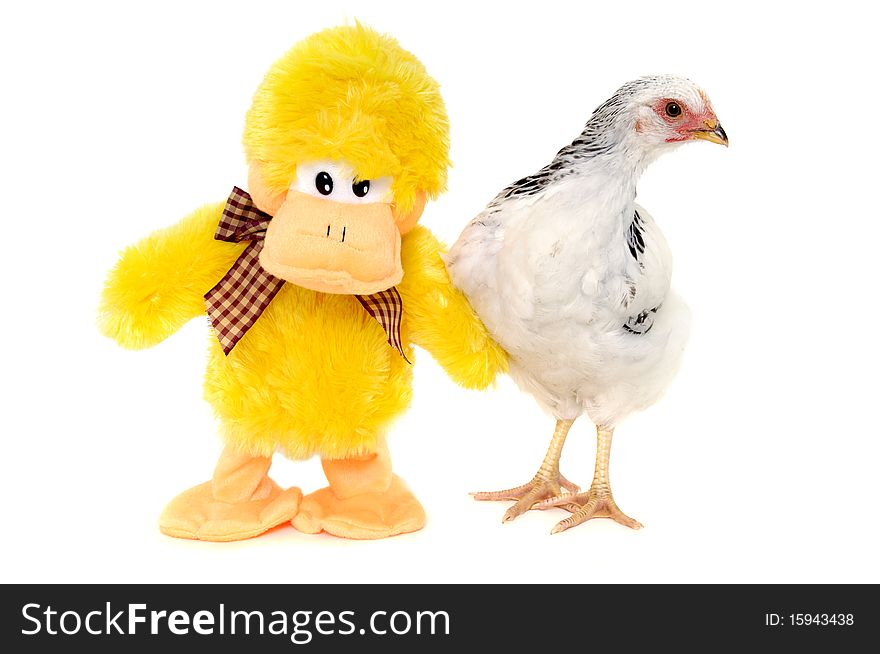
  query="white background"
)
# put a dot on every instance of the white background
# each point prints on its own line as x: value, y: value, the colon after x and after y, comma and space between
x: 760, y: 465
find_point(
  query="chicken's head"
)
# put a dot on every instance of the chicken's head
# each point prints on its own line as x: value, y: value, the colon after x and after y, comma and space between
x: 671, y: 110
x: 649, y: 116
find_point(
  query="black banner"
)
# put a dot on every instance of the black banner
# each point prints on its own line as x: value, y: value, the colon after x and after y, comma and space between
x: 319, y: 618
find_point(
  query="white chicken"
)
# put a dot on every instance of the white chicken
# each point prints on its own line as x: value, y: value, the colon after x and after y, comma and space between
x: 572, y: 278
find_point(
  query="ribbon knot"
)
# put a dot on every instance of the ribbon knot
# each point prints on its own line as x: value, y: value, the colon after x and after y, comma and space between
x: 237, y: 301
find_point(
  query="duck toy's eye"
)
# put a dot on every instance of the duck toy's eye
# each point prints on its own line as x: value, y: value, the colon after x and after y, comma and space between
x: 360, y: 189
x: 324, y: 183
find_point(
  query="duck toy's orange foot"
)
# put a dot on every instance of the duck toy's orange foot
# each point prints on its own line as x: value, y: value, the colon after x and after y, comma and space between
x: 362, y: 517
x: 364, y: 500
x: 240, y: 502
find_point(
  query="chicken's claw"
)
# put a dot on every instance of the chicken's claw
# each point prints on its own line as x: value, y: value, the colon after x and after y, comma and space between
x: 585, y: 506
x: 541, y: 487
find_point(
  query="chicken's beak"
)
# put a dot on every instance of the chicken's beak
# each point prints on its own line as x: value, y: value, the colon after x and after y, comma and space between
x: 713, y: 133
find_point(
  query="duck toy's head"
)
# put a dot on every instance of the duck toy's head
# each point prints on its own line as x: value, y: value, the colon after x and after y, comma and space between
x: 346, y: 140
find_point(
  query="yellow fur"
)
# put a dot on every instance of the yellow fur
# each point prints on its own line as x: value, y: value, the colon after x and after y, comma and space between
x: 315, y: 374
x: 158, y: 284
x: 331, y: 93
x: 440, y: 317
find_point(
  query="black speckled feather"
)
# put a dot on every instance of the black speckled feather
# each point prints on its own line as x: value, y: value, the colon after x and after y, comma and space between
x: 596, y: 139
x: 635, y: 238
x: 642, y: 323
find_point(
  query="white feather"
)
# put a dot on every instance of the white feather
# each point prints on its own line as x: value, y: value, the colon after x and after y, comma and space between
x: 552, y: 276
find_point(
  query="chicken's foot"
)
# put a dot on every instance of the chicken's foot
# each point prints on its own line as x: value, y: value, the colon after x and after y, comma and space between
x: 598, y: 502
x: 547, y: 483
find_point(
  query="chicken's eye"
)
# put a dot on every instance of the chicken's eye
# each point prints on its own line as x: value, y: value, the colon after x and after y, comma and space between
x: 324, y: 183
x: 361, y: 188
x: 673, y: 110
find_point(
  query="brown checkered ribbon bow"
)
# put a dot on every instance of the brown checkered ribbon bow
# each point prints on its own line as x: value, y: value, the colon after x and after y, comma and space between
x: 238, y: 299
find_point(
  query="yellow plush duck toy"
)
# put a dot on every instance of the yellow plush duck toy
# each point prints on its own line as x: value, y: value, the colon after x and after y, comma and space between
x: 316, y: 283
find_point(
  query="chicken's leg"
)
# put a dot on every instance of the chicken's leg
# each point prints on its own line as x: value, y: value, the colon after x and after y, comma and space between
x: 598, y: 502
x: 547, y: 483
